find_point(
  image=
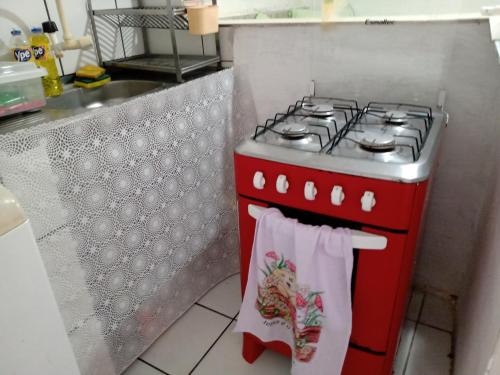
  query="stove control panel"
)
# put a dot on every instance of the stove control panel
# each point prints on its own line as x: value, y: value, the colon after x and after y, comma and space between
x: 337, y: 195
x: 368, y: 201
x: 310, y: 191
x: 381, y: 203
x: 258, y: 180
x: 282, y: 184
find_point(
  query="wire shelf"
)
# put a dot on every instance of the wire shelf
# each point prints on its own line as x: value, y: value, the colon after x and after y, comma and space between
x: 164, y: 63
x: 141, y: 17
x: 146, y: 17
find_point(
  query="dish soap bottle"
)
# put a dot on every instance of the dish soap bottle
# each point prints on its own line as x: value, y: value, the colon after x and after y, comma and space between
x: 44, y: 58
x: 20, y: 47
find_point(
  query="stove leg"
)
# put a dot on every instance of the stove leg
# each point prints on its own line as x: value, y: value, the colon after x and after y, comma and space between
x: 252, y: 349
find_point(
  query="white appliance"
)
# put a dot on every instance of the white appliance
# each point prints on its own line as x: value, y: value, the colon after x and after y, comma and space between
x: 32, y: 334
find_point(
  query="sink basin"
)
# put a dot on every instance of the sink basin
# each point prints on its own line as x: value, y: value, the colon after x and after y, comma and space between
x: 78, y: 100
x: 114, y: 92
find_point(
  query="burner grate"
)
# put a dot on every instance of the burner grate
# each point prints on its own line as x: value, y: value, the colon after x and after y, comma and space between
x: 409, y: 125
x: 321, y: 115
x: 387, y: 132
x: 280, y: 118
x: 415, y: 150
x: 392, y: 113
x: 345, y: 107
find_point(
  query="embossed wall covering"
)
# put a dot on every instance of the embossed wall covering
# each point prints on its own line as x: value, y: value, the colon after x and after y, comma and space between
x: 134, y: 211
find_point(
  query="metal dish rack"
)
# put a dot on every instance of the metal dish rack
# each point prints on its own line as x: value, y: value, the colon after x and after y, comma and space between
x: 167, y: 17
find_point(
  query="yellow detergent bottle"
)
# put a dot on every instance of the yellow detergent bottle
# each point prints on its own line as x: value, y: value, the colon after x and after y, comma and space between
x: 44, y: 58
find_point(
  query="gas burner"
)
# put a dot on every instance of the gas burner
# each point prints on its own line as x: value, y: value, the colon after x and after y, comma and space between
x: 376, y: 141
x: 396, y: 117
x: 385, y: 132
x: 310, y: 124
x: 294, y: 131
x: 320, y: 110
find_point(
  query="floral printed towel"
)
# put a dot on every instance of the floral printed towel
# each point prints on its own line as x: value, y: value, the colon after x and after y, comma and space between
x: 299, y: 291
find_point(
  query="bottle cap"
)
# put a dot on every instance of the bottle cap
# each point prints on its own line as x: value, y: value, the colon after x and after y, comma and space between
x: 15, y: 32
x: 49, y: 27
x: 36, y: 29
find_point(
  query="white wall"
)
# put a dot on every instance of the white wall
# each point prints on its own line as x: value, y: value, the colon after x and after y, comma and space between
x: 405, y: 62
x: 361, y: 8
x: 15, y: 13
x: 479, y: 312
x: 410, y: 7
x: 231, y: 8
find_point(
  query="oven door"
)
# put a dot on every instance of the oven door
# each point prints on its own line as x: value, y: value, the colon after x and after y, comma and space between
x: 376, y: 282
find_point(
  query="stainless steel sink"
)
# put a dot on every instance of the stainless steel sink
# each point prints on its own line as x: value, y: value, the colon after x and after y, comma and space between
x: 78, y: 100
x: 114, y: 92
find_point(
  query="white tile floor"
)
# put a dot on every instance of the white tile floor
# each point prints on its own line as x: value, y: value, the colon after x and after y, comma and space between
x: 202, y: 342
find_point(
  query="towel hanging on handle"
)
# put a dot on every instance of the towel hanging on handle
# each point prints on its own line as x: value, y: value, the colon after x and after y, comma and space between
x: 360, y: 240
x: 299, y: 291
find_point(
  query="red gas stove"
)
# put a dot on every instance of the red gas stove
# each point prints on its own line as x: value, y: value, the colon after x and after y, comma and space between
x: 327, y: 161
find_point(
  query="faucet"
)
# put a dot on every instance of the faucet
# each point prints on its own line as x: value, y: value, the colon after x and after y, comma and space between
x: 69, y: 41
x: 494, y: 13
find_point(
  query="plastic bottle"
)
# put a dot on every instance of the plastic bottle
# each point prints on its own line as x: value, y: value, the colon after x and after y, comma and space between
x: 20, y: 47
x: 44, y: 58
x: 5, y: 53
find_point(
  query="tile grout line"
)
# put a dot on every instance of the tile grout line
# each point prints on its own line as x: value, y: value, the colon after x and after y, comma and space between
x: 211, y: 346
x: 153, y: 366
x: 430, y: 326
x: 419, y: 315
x: 213, y: 310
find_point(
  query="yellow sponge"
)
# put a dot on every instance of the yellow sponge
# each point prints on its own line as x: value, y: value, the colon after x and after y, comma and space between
x: 90, y: 71
x: 93, y: 84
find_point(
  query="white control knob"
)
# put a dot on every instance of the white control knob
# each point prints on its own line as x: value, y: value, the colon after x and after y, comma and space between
x: 310, y: 191
x: 337, y: 195
x: 282, y: 184
x: 258, y: 180
x: 368, y: 201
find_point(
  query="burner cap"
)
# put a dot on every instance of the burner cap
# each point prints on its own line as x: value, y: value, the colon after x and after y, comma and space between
x: 294, y: 131
x: 318, y: 109
x: 396, y: 117
x: 377, y: 142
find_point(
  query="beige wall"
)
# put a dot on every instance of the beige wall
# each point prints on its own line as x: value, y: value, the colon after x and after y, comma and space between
x: 479, y: 310
x: 404, y: 62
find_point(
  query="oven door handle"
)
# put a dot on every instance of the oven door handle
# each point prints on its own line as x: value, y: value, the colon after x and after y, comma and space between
x: 360, y: 239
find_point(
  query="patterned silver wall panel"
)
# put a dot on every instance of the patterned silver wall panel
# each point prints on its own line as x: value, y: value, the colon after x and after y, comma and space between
x: 134, y: 211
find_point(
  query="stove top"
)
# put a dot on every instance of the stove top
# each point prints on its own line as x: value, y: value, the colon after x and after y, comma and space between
x: 384, y: 140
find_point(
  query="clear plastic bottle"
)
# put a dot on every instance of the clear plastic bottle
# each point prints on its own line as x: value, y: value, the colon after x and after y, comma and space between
x: 5, y: 53
x: 20, y: 47
x: 44, y: 58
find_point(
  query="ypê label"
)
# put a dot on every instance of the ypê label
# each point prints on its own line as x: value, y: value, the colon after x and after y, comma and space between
x: 39, y: 52
x: 22, y: 54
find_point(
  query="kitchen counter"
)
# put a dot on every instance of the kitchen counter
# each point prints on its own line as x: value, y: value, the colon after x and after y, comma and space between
x: 124, y: 86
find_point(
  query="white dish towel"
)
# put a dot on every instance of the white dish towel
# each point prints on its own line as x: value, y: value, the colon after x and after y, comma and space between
x: 299, y: 291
